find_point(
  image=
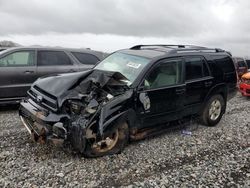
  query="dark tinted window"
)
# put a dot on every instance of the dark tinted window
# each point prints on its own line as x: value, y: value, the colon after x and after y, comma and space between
x: 50, y: 58
x: 248, y: 63
x: 224, y: 62
x: 196, y: 68
x: 166, y: 74
x: 86, y: 58
x: 18, y: 59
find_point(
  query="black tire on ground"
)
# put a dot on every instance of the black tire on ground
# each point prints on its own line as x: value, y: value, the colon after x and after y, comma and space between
x: 121, y: 136
x: 213, y: 111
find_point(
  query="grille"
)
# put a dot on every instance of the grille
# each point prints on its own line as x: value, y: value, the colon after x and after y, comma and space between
x: 43, y: 98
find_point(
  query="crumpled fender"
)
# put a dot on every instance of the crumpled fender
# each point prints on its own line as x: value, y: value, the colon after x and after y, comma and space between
x: 114, y: 110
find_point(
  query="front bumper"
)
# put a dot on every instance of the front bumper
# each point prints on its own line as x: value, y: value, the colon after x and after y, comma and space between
x: 245, y: 89
x: 42, y: 124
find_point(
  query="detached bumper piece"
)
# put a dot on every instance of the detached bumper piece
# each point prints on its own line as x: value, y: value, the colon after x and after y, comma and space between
x: 43, y: 126
x: 245, y: 89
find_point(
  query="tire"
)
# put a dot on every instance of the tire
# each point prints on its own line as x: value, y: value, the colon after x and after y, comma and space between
x: 119, y: 137
x: 213, y: 111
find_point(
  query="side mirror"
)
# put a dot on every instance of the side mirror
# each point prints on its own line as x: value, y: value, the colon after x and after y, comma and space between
x: 145, y: 101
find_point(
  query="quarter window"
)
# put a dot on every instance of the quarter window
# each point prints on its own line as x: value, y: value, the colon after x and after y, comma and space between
x: 50, y: 58
x: 196, y: 68
x: 18, y: 59
x: 85, y: 58
x: 166, y: 74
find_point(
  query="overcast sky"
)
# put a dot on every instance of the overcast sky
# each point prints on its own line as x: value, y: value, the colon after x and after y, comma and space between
x: 110, y: 25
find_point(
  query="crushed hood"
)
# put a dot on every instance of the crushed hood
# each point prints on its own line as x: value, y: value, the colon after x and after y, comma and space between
x: 64, y: 86
x: 58, y: 84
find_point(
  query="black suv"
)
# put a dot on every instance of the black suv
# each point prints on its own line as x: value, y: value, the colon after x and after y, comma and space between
x: 129, y: 94
x: 21, y: 66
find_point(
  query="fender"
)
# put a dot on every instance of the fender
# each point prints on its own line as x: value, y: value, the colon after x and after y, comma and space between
x: 128, y: 116
x: 113, y: 110
x: 217, y: 89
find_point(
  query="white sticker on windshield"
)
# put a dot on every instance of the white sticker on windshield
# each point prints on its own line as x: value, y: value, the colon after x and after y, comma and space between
x: 133, y: 65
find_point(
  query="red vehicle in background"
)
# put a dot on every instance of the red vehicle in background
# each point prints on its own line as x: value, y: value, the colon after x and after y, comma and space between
x: 245, y: 84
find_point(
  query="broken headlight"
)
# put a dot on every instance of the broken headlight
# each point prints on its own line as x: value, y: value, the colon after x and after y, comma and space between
x: 75, y: 106
x: 92, y: 106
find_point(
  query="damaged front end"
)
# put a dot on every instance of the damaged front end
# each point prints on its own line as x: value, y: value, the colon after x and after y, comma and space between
x: 86, y: 108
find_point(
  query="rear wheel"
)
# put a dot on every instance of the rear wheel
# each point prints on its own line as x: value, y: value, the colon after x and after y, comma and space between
x: 213, y: 110
x: 113, y: 143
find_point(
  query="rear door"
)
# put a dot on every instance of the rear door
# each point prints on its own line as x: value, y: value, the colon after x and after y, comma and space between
x: 161, y: 98
x: 17, y: 73
x: 87, y: 61
x: 198, y: 83
x: 54, y: 62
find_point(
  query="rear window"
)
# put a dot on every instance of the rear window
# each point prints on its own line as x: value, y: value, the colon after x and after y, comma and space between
x: 50, y: 58
x: 85, y: 58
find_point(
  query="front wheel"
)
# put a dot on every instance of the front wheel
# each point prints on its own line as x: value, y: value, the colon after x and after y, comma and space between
x: 213, y: 110
x: 113, y: 143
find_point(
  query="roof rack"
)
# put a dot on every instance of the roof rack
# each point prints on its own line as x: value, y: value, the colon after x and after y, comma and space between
x: 179, y: 48
x: 171, y: 46
x: 215, y: 50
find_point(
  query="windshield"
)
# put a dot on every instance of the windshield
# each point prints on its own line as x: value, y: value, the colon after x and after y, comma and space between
x: 128, y: 65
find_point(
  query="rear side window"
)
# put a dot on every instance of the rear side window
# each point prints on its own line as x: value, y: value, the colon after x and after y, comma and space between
x: 50, y: 58
x: 224, y: 62
x: 18, y: 59
x: 85, y: 58
x: 195, y: 68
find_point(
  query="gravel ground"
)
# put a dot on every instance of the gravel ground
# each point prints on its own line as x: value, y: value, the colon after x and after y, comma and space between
x: 211, y: 156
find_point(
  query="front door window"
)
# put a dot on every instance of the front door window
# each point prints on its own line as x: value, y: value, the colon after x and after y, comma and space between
x: 18, y: 59
x: 166, y: 74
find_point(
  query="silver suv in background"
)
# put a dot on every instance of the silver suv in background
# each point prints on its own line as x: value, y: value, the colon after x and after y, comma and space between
x: 20, y: 67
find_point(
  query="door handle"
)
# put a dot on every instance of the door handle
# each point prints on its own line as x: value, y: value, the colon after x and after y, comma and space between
x: 208, y: 83
x: 180, y: 91
x: 28, y: 72
x: 72, y: 70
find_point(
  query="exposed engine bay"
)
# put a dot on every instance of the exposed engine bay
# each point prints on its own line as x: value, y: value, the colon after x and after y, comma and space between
x: 87, y: 111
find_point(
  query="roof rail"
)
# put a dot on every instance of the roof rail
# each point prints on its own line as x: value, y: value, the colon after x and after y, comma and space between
x: 170, y: 46
x: 215, y: 50
x: 180, y: 48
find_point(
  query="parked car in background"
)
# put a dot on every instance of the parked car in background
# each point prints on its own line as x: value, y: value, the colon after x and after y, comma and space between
x: 244, y: 85
x: 20, y: 67
x: 248, y: 64
x: 129, y: 95
x: 241, y: 66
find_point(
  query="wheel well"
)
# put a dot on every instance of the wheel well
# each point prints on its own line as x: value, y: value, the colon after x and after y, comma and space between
x: 215, y: 91
x: 223, y: 95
